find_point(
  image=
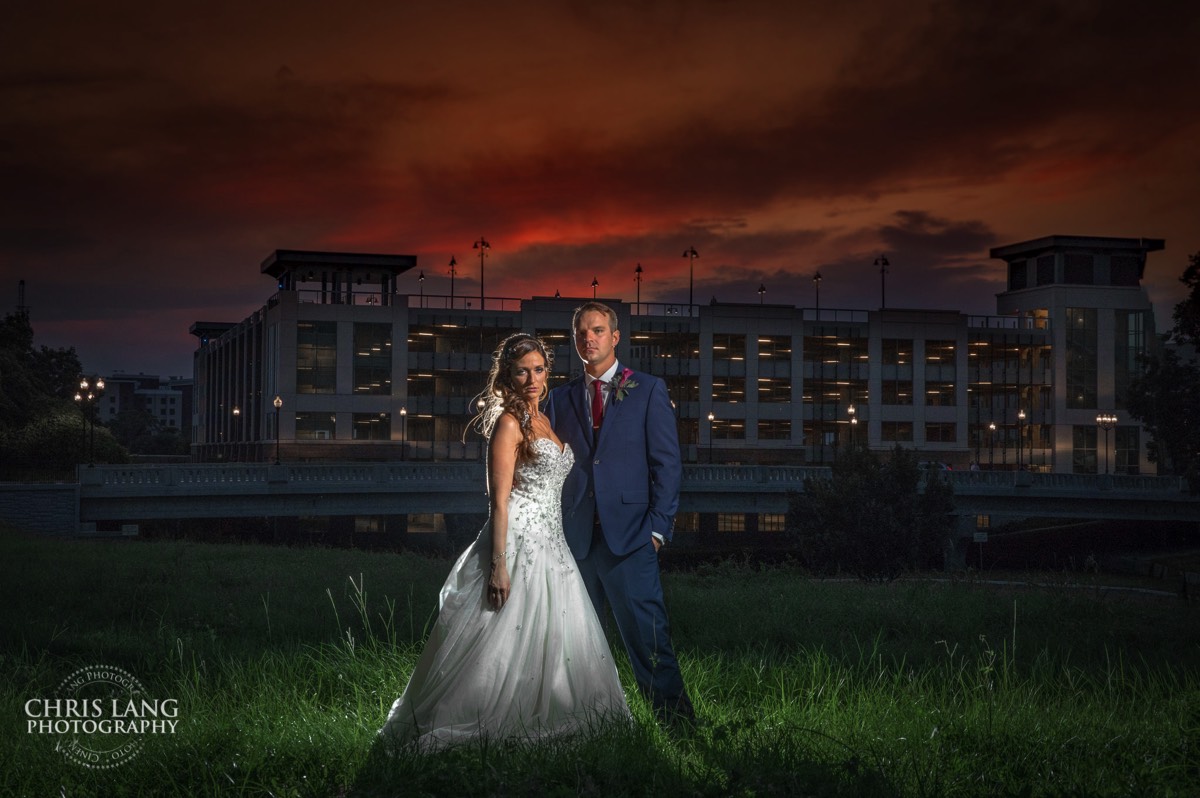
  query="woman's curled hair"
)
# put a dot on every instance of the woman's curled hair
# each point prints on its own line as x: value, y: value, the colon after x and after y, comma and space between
x: 502, y: 395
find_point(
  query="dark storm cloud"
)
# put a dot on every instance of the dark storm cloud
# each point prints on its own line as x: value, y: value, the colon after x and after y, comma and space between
x: 41, y: 240
x: 924, y: 235
x: 979, y: 91
x: 151, y: 157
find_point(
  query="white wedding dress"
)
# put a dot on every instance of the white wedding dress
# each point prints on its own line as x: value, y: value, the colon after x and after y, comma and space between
x: 538, y: 667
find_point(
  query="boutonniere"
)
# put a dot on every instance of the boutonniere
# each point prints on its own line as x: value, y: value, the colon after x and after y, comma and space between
x: 621, y: 384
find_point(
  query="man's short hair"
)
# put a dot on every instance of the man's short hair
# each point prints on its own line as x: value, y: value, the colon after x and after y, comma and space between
x: 594, y: 307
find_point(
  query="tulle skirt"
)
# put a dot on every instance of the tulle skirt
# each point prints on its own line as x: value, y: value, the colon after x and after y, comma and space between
x: 536, y: 668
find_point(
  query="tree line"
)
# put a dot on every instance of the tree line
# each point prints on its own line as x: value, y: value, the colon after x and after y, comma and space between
x: 44, y: 432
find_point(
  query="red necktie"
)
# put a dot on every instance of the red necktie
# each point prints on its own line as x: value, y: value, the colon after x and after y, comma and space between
x: 597, y: 406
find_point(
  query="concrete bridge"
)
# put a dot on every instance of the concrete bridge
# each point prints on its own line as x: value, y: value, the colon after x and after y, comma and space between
x: 112, y: 493
x: 108, y: 495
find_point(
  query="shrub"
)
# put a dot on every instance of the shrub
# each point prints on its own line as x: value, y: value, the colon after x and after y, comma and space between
x: 873, y: 518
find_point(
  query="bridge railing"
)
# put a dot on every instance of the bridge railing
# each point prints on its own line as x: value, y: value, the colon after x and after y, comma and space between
x: 255, y: 477
x: 733, y: 477
x: 458, y: 476
x: 1122, y: 483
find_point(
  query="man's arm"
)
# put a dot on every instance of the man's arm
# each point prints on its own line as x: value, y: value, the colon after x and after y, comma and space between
x: 662, y: 455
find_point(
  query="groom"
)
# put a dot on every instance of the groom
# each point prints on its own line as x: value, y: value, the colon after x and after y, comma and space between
x: 620, y: 499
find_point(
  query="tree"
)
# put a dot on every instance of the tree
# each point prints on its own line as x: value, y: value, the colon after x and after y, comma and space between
x: 33, y: 382
x: 1187, y: 312
x: 874, y: 519
x: 58, y: 441
x: 1165, y: 397
x: 139, y: 431
x: 41, y: 428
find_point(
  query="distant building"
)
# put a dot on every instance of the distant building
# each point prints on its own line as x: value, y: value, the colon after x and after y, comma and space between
x: 168, y: 399
x: 365, y: 371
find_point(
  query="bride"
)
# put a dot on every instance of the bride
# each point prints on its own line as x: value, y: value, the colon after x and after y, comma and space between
x: 517, y: 650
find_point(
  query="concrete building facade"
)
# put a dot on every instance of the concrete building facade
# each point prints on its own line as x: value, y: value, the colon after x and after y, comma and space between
x: 362, y: 371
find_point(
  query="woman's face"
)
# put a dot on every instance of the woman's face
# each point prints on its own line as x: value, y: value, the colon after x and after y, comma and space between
x: 529, y: 376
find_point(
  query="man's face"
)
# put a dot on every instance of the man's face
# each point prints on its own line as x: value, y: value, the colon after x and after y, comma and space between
x: 595, y: 341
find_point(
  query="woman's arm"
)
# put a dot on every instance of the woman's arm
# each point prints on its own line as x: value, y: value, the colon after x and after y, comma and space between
x: 502, y: 464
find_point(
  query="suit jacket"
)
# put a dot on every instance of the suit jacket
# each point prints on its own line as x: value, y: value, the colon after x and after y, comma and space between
x: 629, y: 475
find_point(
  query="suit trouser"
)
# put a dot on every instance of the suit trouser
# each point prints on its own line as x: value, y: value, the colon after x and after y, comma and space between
x: 633, y: 589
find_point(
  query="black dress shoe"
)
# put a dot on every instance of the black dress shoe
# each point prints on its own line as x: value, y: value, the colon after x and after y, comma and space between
x: 677, y: 717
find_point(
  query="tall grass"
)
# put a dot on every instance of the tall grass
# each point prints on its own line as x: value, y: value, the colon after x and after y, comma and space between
x: 285, y: 662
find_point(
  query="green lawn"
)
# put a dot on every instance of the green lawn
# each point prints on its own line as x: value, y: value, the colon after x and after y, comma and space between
x: 284, y: 662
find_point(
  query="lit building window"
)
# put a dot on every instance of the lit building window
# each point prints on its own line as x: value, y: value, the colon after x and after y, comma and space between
x: 315, y: 426
x: 941, y: 432
x: 774, y: 429
x: 771, y: 522
x: 316, y: 357
x: 731, y: 522
x: 373, y: 359
x: 372, y: 427
x: 896, y: 431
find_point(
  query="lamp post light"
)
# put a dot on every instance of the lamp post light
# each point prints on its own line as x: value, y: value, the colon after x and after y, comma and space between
x: 421, y: 282
x: 853, y: 423
x: 1106, y: 421
x: 1020, y: 437
x: 278, y: 404
x: 762, y: 290
x: 453, y: 271
x: 691, y: 254
x: 403, y: 433
x: 595, y: 285
x: 817, y: 286
x: 637, y: 278
x: 882, y: 263
x: 87, y: 396
x: 483, y: 246
x: 237, y: 431
x: 991, y: 444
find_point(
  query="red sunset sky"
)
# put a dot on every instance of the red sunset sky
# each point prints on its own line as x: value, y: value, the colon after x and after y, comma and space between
x: 152, y: 154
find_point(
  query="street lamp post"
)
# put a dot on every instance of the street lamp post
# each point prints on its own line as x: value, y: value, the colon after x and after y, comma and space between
x: 483, y: 246
x: 853, y: 423
x: 991, y: 444
x: 278, y: 404
x: 711, y: 418
x: 80, y: 397
x: 421, y: 282
x: 595, y: 285
x: 87, y: 396
x: 762, y: 291
x: 1106, y: 421
x: 1020, y: 437
x: 882, y: 263
x: 817, y: 288
x: 453, y: 271
x: 691, y: 254
x: 637, y: 278
x: 237, y: 431
x: 403, y: 433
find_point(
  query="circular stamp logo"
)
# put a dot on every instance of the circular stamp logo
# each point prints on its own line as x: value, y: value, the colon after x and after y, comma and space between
x: 101, y: 715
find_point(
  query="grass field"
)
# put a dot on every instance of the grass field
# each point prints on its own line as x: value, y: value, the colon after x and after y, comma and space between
x: 284, y: 662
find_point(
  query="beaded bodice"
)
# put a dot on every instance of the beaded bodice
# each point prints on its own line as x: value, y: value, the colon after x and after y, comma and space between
x: 535, y: 505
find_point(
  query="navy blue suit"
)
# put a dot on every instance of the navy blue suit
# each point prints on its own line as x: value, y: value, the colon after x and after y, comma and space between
x: 624, y: 486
